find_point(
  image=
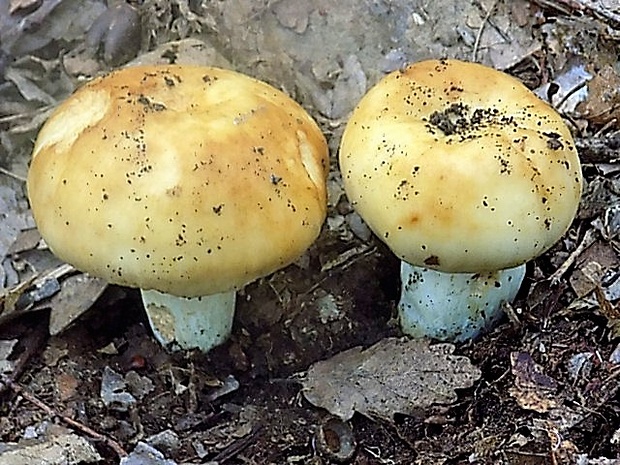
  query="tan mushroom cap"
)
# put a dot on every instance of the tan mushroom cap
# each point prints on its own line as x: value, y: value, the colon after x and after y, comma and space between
x: 188, y: 180
x: 460, y: 168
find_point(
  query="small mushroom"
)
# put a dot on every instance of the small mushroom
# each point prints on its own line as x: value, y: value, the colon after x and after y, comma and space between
x: 466, y: 175
x: 187, y: 182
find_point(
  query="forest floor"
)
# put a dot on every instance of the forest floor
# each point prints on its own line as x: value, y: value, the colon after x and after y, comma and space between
x: 83, y: 380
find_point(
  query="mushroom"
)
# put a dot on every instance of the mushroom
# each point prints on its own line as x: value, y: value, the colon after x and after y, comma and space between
x: 186, y: 182
x: 466, y: 175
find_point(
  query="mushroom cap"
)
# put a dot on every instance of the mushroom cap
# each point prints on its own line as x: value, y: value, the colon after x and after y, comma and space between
x: 460, y: 168
x: 188, y: 180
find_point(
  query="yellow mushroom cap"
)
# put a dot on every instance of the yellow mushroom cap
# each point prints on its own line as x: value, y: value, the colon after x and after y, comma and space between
x: 460, y: 168
x: 188, y: 180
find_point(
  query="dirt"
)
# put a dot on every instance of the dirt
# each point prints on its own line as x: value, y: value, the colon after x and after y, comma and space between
x: 548, y: 393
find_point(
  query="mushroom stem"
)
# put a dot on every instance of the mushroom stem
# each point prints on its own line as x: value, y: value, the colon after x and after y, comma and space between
x: 454, y: 306
x: 189, y: 323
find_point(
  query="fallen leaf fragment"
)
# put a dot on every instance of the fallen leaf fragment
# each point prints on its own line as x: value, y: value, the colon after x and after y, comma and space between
x: 533, y: 389
x: 562, y: 451
x: 17, y: 5
x: 603, y: 102
x: 145, y: 454
x: 585, y: 279
x: 63, y: 449
x: 393, y: 376
x: 78, y: 293
x: 583, y: 459
x: 529, y: 399
x: 114, y: 391
x: 529, y: 374
x: 66, y: 386
x: 6, y: 349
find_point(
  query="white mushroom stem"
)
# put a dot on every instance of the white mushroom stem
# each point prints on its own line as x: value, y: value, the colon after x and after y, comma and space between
x: 454, y: 306
x: 189, y: 323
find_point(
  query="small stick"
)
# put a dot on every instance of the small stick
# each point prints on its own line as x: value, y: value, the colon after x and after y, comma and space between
x: 238, y: 446
x: 10, y: 174
x: 111, y: 443
x: 589, y: 238
x: 485, y: 20
x: 596, y: 8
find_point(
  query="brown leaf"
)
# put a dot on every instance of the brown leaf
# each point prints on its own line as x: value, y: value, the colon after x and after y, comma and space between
x: 609, y: 311
x: 66, y: 386
x: 77, y: 294
x: 529, y: 399
x: 533, y: 390
x: 603, y: 102
x: 586, y: 278
x: 528, y: 374
x: 393, y: 376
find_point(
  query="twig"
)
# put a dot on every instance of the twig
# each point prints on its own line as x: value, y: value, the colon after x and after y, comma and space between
x: 610, y: 124
x: 237, y: 446
x: 20, y: 298
x: 111, y: 443
x: 588, y: 239
x: 485, y: 20
x: 594, y: 7
x: 10, y: 174
x: 570, y: 93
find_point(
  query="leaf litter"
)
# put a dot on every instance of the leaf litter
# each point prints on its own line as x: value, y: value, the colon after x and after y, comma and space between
x: 393, y: 376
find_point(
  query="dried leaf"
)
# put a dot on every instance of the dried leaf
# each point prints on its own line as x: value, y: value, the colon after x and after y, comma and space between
x: 609, y: 311
x: 533, y: 389
x: 114, y: 392
x: 11, y: 220
x: 563, y: 451
x: 10, y: 299
x: 27, y: 88
x: 54, y: 21
x: 77, y: 294
x: 21, y: 34
x: 6, y: 350
x: 228, y: 385
x: 145, y: 454
x: 393, y: 376
x: 54, y: 449
x: 44, y: 290
x: 586, y: 278
x: 499, y: 36
x: 27, y: 239
x: 529, y: 399
x: 528, y: 374
x: 603, y: 102
x: 29, y: 5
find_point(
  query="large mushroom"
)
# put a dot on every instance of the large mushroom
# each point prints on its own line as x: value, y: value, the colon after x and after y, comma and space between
x: 466, y: 175
x: 187, y: 182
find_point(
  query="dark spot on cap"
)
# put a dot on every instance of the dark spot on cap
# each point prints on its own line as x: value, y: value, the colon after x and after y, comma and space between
x: 209, y: 79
